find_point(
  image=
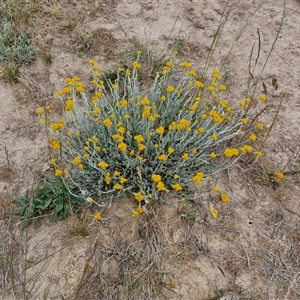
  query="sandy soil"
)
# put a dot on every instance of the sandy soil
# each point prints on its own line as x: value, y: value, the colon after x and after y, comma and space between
x: 250, y: 252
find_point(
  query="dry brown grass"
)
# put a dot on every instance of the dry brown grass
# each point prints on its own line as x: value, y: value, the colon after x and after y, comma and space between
x: 127, y: 267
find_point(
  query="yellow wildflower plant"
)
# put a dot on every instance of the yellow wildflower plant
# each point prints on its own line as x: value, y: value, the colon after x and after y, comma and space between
x: 130, y: 139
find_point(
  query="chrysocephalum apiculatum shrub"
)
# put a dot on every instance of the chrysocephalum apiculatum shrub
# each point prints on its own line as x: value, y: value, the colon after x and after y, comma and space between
x: 147, y: 142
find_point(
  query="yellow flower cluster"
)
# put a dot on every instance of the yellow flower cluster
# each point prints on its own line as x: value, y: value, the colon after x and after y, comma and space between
x: 55, y: 144
x: 198, y: 177
x: 183, y: 123
x: 69, y: 105
x: 230, y: 152
x: 216, y: 74
x: 246, y: 148
x: 216, y: 117
x: 57, y: 126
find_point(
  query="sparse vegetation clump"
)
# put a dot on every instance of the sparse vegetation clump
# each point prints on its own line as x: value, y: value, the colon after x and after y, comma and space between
x: 16, y: 48
x: 51, y: 198
x: 147, y: 142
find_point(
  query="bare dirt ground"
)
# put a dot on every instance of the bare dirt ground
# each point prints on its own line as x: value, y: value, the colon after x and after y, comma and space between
x: 251, y: 251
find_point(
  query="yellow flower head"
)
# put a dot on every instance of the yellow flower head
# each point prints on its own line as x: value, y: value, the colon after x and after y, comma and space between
x: 183, y: 123
x: 214, y: 137
x: 141, y: 147
x: 185, y: 156
x: 97, y: 216
x: 160, y: 130
x: 201, y: 129
x: 262, y: 97
x: 144, y: 101
x: 121, y: 130
x: 40, y: 111
x: 123, y: 180
x: 172, y: 126
x: 244, y: 121
x: 216, y: 189
x: 107, y: 178
x: 170, y: 150
x: 58, y: 172
x: 246, y: 148
x: 192, y: 73
x: 90, y: 199
x: 135, y: 213
x: 224, y: 198
x: 162, y: 157
x: 213, y: 155
x: 186, y: 65
x: 94, y: 139
x: 140, y: 210
x: 199, y: 84
x: 103, y: 165
x: 160, y: 186
x: 260, y: 126
x: 139, y: 196
x: 117, y: 186
x: 52, y: 161
x: 57, y: 126
x: 122, y: 147
x: 211, y: 88
x: 177, y: 187
x: 257, y: 153
x: 107, y: 122
x: 139, y: 138
x: 198, y: 177
x: 214, y: 212
x: 279, y: 175
x: 77, y: 160
x: 156, y: 177
x: 229, y: 152
x: 253, y: 137
x: 136, y: 65
x: 170, y: 89
x: 248, y: 100
x: 69, y: 105
x: 56, y: 145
